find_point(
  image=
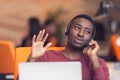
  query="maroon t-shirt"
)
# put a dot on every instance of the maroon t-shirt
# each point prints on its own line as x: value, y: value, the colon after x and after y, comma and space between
x: 88, y: 73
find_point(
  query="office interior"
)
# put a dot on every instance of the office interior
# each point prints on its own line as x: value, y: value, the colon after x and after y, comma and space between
x: 15, y: 16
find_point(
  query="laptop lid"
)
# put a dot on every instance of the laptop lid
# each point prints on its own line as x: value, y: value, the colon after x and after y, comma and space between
x: 50, y: 71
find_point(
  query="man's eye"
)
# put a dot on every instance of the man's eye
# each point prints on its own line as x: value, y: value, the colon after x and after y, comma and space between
x: 77, y: 27
x: 87, y: 31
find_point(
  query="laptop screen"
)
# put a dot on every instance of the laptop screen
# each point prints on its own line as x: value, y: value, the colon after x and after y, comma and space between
x: 50, y: 71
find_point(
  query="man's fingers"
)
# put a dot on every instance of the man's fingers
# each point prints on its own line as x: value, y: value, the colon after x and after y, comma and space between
x: 41, y: 37
x: 44, y: 39
x: 38, y: 36
x: 43, y: 33
x: 94, y: 45
x: 92, y: 42
x: 48, y: 45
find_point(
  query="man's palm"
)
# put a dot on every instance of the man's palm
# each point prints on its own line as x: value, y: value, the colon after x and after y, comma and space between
x: 38, y: 48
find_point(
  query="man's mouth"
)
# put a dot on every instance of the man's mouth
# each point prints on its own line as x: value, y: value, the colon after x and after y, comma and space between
x: 79, y: 41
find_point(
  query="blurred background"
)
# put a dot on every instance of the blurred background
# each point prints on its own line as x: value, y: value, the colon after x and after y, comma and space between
x: 20, y: 19
x: 14, y: 15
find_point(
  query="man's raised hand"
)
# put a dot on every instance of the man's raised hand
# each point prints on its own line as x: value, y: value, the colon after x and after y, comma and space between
x: 38, y: 48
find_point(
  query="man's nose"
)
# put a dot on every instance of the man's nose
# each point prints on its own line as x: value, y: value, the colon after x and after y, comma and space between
x: 81, y: 32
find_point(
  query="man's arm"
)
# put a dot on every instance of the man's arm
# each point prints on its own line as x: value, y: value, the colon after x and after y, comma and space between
x: 101, y: 72
x: 100, y: 68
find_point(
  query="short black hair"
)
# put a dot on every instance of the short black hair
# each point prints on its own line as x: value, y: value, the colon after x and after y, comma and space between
x: 83, y: 16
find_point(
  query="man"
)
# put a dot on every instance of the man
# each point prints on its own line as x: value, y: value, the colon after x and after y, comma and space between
x: 80, y: 47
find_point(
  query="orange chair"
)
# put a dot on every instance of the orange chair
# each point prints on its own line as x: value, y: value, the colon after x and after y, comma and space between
x: 116, y: 48
x: 7, y: 54
x: 22, y: 54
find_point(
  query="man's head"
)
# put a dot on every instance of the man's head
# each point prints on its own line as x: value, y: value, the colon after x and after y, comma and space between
x: 80, y: 30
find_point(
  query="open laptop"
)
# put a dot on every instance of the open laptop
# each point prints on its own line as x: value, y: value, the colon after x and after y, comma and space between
x: 50, y: 71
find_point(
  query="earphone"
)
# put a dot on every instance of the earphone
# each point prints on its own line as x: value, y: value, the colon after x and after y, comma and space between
x: 92, y: 37
x: 68, y: 29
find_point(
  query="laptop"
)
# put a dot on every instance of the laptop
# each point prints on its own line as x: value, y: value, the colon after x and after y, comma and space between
x: 50, y: 71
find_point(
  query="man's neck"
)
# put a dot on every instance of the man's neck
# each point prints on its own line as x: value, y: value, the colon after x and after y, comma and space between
x: 72, y: 53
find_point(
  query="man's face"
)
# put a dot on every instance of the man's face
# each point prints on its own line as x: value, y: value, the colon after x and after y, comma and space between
x: 80, y: 32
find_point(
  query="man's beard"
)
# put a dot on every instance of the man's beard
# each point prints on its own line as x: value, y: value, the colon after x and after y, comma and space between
x: 78, y: 48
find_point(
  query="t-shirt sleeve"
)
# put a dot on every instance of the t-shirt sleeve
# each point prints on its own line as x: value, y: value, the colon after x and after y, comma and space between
x: 101, y: 72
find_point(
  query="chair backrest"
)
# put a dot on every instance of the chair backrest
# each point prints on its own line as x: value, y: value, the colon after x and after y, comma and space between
x: 7, y: 54
x: 22, y: 54
x: 116, y: 48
